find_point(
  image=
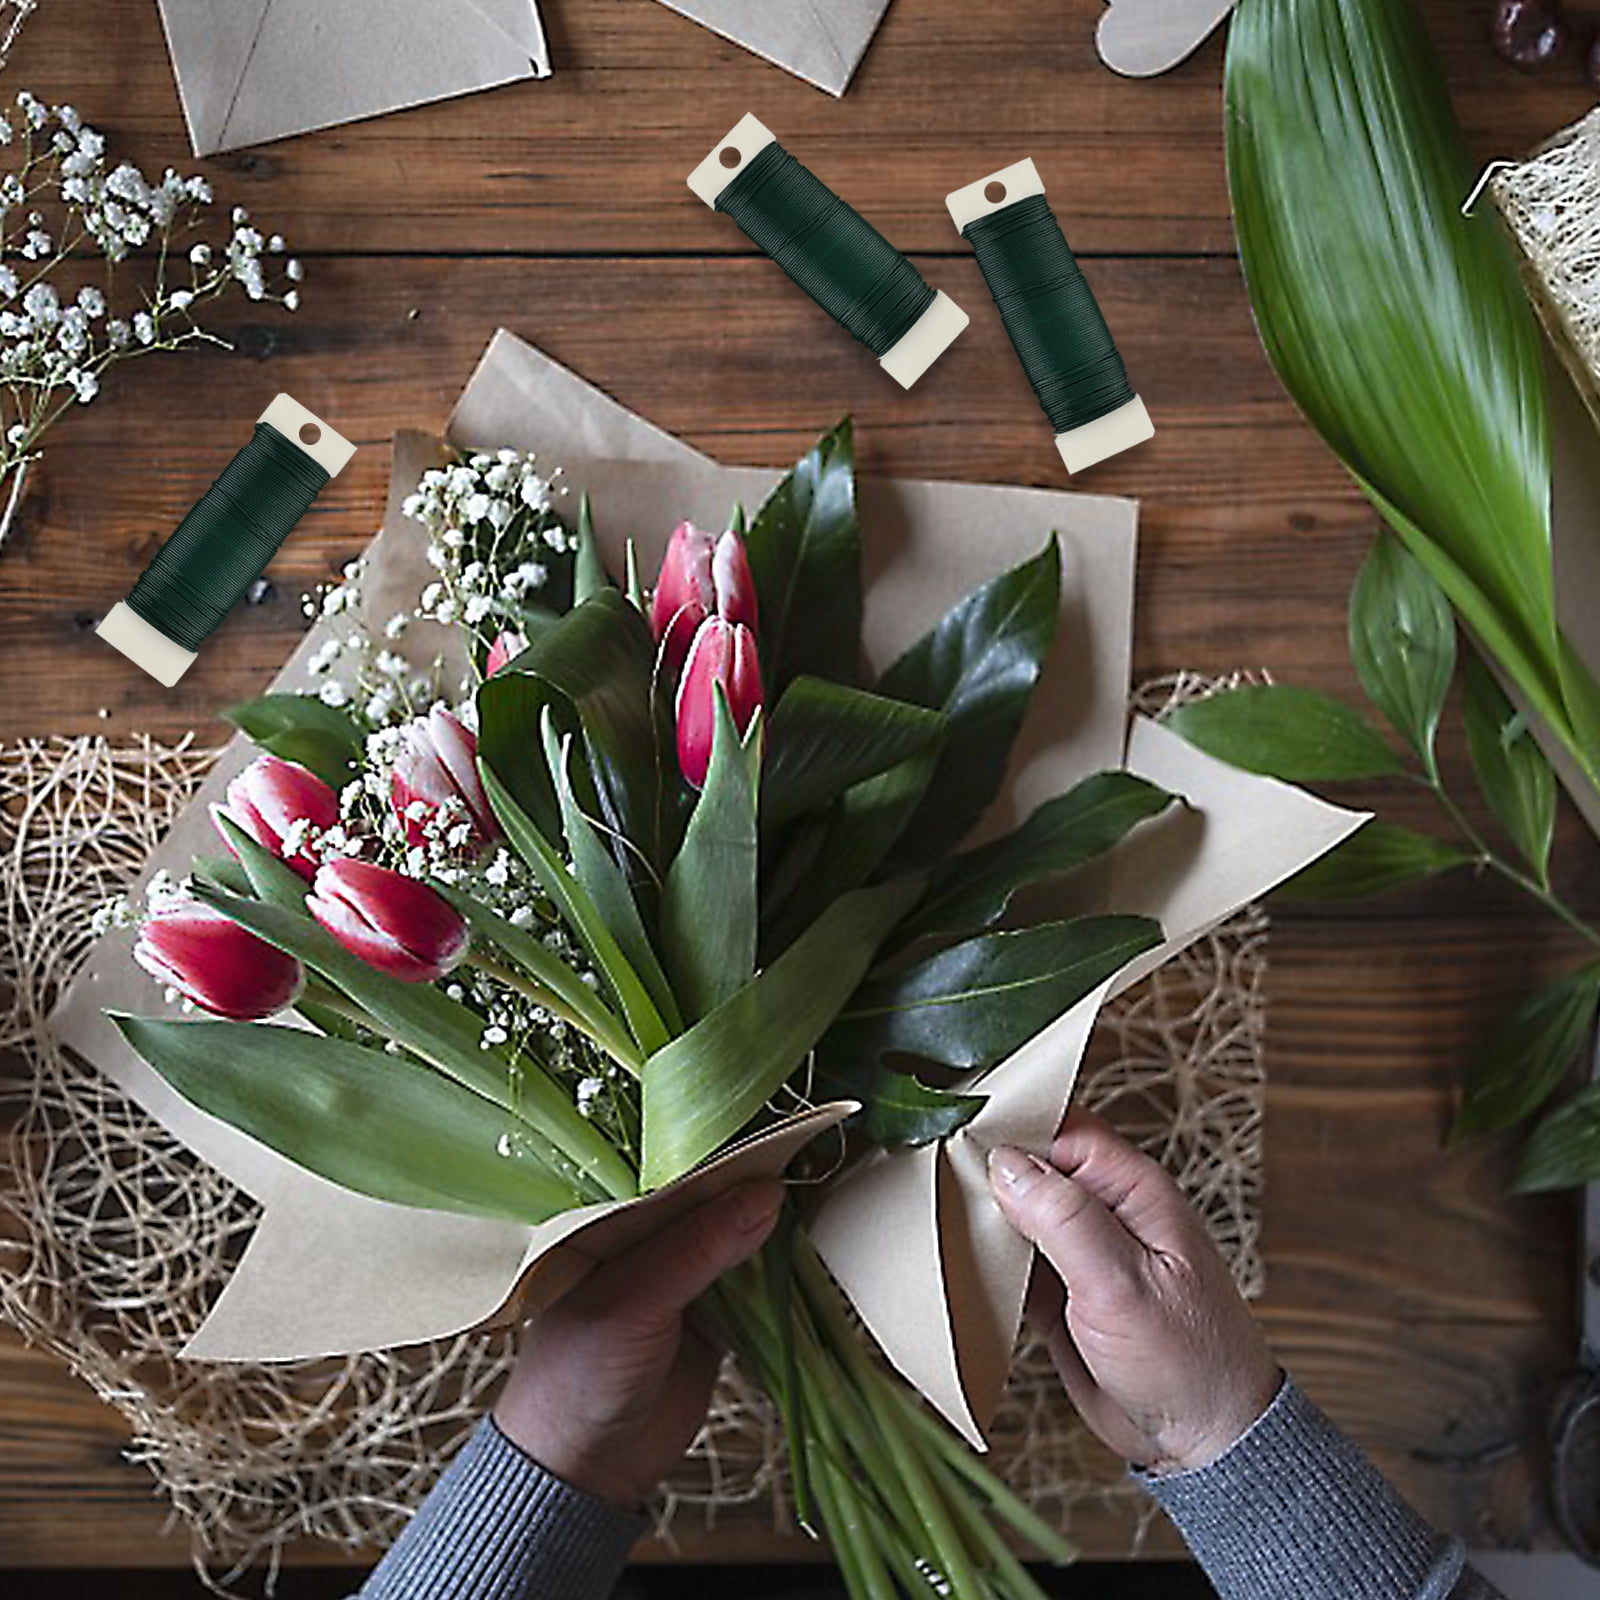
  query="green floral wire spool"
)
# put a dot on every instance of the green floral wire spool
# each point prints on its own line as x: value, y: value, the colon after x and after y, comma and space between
x: 225, y: 542
x: 830, y: 250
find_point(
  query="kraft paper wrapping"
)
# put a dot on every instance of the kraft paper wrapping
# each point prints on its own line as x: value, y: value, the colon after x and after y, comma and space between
x: 253, y: 70
x: 941, y: 1289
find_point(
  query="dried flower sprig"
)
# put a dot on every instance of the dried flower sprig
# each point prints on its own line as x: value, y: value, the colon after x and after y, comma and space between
x: 63, y: 203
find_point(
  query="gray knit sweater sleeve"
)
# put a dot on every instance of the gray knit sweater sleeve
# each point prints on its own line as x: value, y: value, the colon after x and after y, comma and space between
x: 497, y: 1526
x: 1294, y: 1509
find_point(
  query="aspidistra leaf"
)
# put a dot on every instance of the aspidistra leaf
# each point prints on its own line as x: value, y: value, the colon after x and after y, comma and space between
x: 1375, y: 859
x: 1284, y: 732
x: 1513, y: 773
x: 1563, y: 1151
x: 299, y: 727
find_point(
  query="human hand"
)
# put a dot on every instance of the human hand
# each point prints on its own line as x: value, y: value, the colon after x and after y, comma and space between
x: 613, y: 1380
x: 1154, y: 1344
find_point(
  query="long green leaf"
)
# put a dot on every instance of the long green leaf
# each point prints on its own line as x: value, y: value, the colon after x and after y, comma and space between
x: 299, y: 727
x: 975, y: 1003
x: 1283, y: 732
x: 1403, y: 643
x: 267, y: 877
x: 1563, y: 1151
x: 379, y: 1124
x: 1512, y: 771
x: 701, y: 1089
x: 709, y: 904
x: 978, y: 666
x: 899, y: 1109
x: 1400, y: 326
x: 973, y: 890
x: 1527, y: 1054
x: 1375, y: 859
x: 589, y: 575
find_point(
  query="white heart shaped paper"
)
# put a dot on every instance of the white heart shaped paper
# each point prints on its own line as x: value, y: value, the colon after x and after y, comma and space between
x: 1144, y: 38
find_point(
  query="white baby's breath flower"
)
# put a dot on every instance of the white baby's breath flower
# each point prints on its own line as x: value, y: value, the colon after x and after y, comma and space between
x: 181, y: 299
x: 200, y: 255
x: 144, y: 327
x: 334, y: 694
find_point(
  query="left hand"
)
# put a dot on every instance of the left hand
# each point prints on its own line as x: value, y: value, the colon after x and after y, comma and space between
x: 612, y: 1382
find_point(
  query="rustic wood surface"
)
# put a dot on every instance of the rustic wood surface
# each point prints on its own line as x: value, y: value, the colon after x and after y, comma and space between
x: 1430, y: 1315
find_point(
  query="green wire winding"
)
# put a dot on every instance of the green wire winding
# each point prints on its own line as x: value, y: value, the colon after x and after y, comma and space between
x: 827, y: 247
x: 1050, y: 312
x: 228, y: 537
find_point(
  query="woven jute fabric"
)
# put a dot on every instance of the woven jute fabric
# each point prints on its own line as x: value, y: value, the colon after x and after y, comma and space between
x: 114, y: 1240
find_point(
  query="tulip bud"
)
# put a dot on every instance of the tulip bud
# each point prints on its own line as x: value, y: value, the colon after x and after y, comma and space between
x: 503, y: 651
x: 281, y: 804
x: 435, y: 781
x: 392, y: 922
x: 701, y: 576
x: 722, y: 653
x: 217, y: 964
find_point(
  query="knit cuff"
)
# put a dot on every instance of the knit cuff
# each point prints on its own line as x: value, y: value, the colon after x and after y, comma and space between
x: 497, y: 1526
x: 1293, y: 1508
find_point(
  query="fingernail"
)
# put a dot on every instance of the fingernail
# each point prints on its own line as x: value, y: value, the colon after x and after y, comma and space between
x: 1014, y: 1172
x: 756, y: 1206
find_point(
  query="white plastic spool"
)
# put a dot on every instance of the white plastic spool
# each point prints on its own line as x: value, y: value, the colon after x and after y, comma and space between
x: 922, y: 343
x: 146, y: 645
x: 1106, y: 436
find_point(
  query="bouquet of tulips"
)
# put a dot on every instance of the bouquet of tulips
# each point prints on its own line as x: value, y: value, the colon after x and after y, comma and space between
x: 667, y: 870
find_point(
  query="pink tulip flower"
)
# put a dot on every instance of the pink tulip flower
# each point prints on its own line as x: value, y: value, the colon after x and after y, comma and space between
x: 392, y: 922
x: 701, y: 576
x: 503, y: 651
x: 436, y: 780
x: 722, y: 653
x: 223, y: 968
x: 283, y: 806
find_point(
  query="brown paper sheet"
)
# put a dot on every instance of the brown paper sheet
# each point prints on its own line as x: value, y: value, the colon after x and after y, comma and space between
x: 253, y: 70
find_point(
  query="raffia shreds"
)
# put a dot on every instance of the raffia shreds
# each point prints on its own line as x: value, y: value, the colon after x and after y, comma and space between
x: 1552, y: 205
x: 114, y: 1240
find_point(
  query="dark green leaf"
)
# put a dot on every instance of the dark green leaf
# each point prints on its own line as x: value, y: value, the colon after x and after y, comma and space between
x: 510, y: 707
x: 973, y: 890
x: 267, y: 877
x: 826, y: 737
x: 1288, y: 733
x: 979, y: 666
x: 1512, y: 771
x: 975, y: 1003
x: 1403, y: 642
x: 900, y: 1109
x: 589, y: 575
x: 708, y: 907
x: 703, y: 1087
x: 1527, y: 1054
x: 1372, y: 861
x: 1563, y: 1151
x: 301, y: 728
x: 382, y: 1125
x: 805, y: 557
x: 224, y: 871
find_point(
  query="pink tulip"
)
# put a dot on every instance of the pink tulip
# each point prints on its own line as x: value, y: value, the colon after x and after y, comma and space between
x: 701, y: 576
x: 503, y: 651
x: 722, y: 653
x: 282, y: 806
x: 390, y: 921
x: 217, y: 964
x: 436, y: 780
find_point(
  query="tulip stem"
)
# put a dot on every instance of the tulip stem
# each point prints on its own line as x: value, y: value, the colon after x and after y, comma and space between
x: 597, y: 1025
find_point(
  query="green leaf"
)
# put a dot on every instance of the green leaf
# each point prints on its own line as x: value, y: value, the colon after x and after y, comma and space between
x: 1511, y: 769
x: 1399, y: 326
x: 381, y: 1125
x: 973, y: 890
x: 826, y: 737
x: 703, y: 1087
x: 589, y: 575
x: 975, y: 1003
x: 1282, y: 732
x: 899, y: 1109
x: 1377, y: 858
x: 449, y: 1036
x: 1403, y: 642
x: 1527, y: 1053
x: 266, y: 877
x: 978, y: 666
x: 578, y: 911
x: 709, y: 904
x: 224, y: 871
x: 301, y: 728
x: 804, y: 548
x: 1563, y: 1151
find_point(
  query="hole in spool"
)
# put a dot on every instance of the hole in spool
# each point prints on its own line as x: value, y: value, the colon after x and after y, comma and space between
x: 730, y: 156
x: 994, y: 192
x: 309, y: 433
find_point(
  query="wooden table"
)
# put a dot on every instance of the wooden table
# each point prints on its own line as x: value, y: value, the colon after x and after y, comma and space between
x: 1429, y: 1314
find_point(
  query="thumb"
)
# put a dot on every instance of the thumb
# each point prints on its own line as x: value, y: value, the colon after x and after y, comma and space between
x: 667, y: 1273
x: 1074, y: 1231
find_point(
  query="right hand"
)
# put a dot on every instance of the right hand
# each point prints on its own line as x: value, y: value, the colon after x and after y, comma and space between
x: 1154, y: 1344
